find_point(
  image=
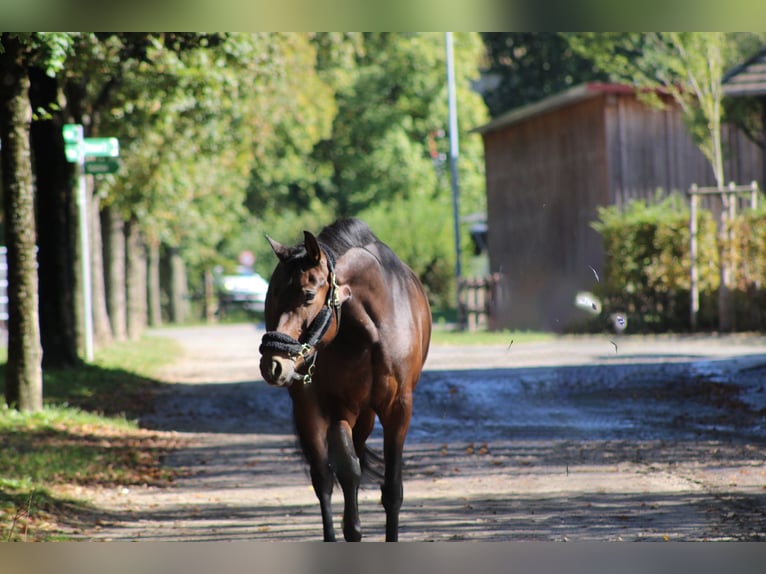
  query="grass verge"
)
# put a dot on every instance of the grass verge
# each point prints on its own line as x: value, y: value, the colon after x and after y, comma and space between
x: 452, y: 337
x: 84, y: 436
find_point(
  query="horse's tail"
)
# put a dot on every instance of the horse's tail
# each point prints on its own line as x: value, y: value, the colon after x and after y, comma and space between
x: 373, y: 467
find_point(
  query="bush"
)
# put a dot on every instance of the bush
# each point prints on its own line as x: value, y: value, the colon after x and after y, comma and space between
x: 648, y: 267
x: 746, y: 254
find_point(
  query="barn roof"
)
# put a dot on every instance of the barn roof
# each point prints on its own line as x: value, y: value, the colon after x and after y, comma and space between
x: 747, y: 79
x: 570, y: 96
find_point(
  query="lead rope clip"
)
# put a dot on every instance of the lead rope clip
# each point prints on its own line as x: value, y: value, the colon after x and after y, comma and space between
x: 309, y: 374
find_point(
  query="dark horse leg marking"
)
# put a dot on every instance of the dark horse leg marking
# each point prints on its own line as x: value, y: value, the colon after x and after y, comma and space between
x: 362, y: 430
x: 311, y: 428
x: 322, y: 481
x: 394, y: 432
x: 346, y: 465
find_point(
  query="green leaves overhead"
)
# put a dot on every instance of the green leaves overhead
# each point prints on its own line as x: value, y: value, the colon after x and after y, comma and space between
x: 689, y: 66
x: 231, y: 135
x: 193, y: 123
x: 390, y: 115
x: 524, y: 67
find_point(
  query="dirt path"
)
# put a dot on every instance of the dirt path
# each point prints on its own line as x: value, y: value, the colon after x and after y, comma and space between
x: 579, y: 456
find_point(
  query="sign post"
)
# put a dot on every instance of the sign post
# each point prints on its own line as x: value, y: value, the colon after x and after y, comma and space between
x: 453, y: 149
x: 76, y: 148
x: 101, y: 166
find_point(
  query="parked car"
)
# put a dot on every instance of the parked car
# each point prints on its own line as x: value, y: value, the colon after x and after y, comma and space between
x: 246, y: 291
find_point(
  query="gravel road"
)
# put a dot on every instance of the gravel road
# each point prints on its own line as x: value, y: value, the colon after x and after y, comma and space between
x: 581, y: 438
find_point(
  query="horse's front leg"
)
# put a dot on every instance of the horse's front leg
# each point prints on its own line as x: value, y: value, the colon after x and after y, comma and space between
x: 348, y: 469
x: 311, y: 428
x: 322, y: 481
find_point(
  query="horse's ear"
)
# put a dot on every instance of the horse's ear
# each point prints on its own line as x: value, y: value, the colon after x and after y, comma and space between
x: 280, y: 250
x: 312, y: 247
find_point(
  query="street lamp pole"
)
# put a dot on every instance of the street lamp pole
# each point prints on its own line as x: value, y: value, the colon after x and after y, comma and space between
x: 453, y: 148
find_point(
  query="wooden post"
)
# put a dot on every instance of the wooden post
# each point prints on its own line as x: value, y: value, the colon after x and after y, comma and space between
x: 694, y: 288
x: 728, y: 196
x: 754, y: 195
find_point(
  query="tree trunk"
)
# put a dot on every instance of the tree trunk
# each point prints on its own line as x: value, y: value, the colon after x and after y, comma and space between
x: 113, y: 228
x: 56, y: 225
x: 178, y: 289
x: 23, y: 380
x: 210, y: 306
x: 102, y: 330
x: 135, y: 280
x: 155, y: 299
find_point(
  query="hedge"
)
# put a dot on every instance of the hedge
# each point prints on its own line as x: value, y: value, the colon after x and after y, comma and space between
x: 647, y: 266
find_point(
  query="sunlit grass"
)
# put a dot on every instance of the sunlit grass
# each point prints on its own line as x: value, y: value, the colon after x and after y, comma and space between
x: 143, y: 357
x: 84, y: 435
x: 452, y: 337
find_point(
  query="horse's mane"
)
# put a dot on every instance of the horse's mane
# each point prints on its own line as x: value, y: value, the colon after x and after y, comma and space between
x: 345, y: 234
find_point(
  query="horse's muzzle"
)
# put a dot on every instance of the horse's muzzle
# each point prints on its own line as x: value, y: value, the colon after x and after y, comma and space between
x: 278, y: 371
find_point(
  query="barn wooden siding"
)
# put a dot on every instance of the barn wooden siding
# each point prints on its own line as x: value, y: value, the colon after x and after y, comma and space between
x: 550, y: 165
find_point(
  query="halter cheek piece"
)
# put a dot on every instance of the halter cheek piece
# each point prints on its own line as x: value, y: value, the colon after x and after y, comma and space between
x: 275, y: 341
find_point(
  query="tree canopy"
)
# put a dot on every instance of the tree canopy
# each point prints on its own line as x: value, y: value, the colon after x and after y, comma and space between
x: 524, y: 67
x: 687, y: 65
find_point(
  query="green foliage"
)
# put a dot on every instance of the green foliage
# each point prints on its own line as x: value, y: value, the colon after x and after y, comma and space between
x: 744, y: 248
x: 286, y: 227
x: 689, y: 66
x: 647, y: 266
x: 227, y: 137
x: 389, y: 105
x: 48, y: 50
x: 393, y: 114
x: 195, y: 121
x: 530, y: 66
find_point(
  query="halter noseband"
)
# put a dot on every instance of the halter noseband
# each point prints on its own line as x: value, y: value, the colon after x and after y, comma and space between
x: 275, y: 341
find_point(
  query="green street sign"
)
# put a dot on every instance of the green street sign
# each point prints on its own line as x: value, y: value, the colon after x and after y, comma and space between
x: 71, y: 152
x: 72, y: 140
x: 101, y: 166
x: 101, y: 147
x: 72, y: 133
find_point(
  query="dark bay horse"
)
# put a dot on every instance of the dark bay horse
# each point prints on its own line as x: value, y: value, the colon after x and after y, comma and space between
x: 348, y: 329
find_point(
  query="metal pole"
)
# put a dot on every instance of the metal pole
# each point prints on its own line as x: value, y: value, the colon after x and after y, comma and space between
x: 694, y: 290
x: 87, y: 299
x: 453, y: 148
x: 763, y: 150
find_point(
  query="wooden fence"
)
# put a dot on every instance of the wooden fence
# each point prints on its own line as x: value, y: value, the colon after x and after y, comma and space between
x: 727, y: 212
x: 478, y: 301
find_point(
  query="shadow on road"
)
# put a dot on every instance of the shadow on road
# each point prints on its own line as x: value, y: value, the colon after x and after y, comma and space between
x: 646, y: 446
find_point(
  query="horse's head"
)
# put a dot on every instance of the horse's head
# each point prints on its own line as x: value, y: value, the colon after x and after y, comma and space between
x: 302, y: 310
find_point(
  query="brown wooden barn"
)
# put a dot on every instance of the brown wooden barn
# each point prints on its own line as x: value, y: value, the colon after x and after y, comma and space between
x: 550, y: 164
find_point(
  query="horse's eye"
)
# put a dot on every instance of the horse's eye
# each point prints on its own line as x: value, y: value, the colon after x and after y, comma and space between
x: 309, y: 296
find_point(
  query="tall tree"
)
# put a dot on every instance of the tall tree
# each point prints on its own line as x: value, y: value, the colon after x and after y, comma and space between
x: 192, y: 127
x: 523, y: 67
x: 689, y: 66
x: 113, y: 228
x: 97, y: 85
x: 57, y: 220
x: 389, y: 135
x: 384, y: 156
x: 23, y: 369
